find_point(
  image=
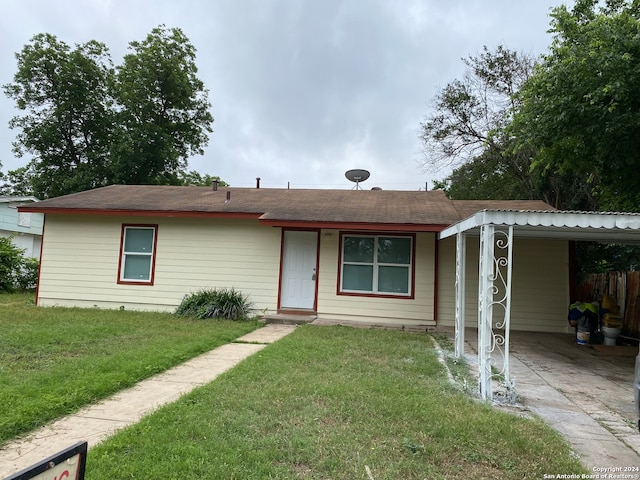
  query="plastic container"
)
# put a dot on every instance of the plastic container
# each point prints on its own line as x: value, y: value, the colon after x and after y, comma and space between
x: 583, y: 337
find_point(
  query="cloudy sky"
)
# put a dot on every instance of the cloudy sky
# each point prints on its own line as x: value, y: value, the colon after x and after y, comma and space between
x: 301, y: 90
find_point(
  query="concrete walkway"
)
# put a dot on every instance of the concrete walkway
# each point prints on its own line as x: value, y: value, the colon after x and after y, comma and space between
x: 587, y: 398
x: 594, y: 412
x: 97, y: 422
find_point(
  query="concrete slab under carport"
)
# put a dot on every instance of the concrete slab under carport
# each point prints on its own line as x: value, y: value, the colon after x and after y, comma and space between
x: 584, y: 392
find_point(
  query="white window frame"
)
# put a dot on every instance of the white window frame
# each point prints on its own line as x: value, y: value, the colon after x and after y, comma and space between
x: 376, y: 264
x: 124, y: 254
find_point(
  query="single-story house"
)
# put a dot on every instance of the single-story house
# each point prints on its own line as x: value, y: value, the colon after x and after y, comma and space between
x: 24, y: 228
x: 369, y: 256
x: 414, y: 259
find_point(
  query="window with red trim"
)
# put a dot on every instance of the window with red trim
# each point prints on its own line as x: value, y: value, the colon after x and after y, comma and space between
x: 376, y: 264
x: 138, y: 254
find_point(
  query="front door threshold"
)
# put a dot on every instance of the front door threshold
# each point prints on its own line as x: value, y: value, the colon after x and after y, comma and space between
x: 292, y: 318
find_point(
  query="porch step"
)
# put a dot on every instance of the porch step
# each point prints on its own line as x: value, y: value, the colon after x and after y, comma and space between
x: 289, y: 318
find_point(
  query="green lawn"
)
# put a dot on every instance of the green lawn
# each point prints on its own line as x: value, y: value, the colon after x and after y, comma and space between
x: 55, y: 360
x: 333, y: 403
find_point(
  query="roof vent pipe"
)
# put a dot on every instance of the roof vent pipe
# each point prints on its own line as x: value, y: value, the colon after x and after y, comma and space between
x: 228, y: 197
x: 257, y: 182
x: 214, y: 186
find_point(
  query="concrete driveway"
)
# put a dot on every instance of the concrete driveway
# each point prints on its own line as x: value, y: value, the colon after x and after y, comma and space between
x: 585, y: 392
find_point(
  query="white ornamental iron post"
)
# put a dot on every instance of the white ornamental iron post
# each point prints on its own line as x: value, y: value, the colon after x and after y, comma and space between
x: 461, y: 250
x: 494, y: 289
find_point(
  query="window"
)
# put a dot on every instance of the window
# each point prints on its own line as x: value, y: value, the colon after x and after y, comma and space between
x: 377, y: 264
x: 138, y: 254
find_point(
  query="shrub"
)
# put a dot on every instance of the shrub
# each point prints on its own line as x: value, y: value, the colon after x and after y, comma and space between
x: 27, y: 277
x: 16, y: 271
x: 216, y: 303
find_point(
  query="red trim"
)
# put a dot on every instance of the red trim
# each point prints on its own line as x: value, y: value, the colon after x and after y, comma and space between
x: 315, y: 293
x: 280, y: 269
x: 289, y: 224
x: 144, y: 213
x: 411, y: 296
x: 315, y: 299
x: 436, y: 258
x: 44, y: 222
x: 369, y: 227
x: 153, y: 256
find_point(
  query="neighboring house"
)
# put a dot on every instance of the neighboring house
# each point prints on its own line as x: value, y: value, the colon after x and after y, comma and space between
x: 345, y: 255
x: 25, y: 228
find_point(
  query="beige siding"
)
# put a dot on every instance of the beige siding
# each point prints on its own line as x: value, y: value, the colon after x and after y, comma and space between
x: 540, y: 284
x: 447, y: 281
x: 80, y: 262
x: 398, y: 311
x: 81, y: 253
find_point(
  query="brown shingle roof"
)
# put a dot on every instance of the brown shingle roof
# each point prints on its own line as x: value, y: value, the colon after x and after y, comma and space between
x: 295, y: 205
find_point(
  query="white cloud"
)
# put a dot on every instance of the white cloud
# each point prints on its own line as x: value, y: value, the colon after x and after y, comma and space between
x: 301, y: 90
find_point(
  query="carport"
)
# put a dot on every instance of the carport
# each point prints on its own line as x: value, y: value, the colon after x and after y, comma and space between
x: 496, y: 230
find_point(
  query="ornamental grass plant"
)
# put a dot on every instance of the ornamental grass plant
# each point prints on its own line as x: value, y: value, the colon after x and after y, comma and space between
x: 226, y: 303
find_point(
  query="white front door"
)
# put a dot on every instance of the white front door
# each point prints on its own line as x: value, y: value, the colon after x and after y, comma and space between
x: 298, y: 284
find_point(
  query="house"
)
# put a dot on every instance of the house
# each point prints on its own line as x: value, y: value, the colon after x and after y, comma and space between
x: 401, y: 258
x: 24, y: 228
x: 344, y: 255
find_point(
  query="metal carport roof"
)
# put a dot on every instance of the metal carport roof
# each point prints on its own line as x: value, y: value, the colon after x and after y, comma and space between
x: 610, y: 227
x: 496, y: 229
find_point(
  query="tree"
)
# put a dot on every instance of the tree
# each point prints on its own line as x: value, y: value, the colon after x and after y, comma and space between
x: 472, y: 130
x: 486, y: 177
x: 466, y: 130
x: 69, y: 119
x: 196, y: 178
x: 581, y: 107
x: 164, y: 111
x: 468, y: 115
x: 18, y: 182
x: 88, y: 124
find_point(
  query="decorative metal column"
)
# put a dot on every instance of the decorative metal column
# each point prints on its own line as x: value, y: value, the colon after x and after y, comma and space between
x: 461, y: 261
x: 494, y: 289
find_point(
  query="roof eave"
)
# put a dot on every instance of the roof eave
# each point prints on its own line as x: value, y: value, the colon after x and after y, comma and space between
x: 381, y: 227
x: 140, y: 213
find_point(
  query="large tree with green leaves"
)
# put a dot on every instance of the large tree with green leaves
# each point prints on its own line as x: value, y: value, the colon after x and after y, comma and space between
x: 468, y: 115
x: 87, y: 123
x: 164, y: 112
x: 471, y: 129
x: 465, y: 130
x: 68, y: 119
x: 581, y: 107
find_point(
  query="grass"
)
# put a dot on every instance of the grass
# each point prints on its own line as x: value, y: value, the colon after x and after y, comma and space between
x: 458, y: 367
x: 20, y: 298
x: 55, y: 360
x: 333, y: 402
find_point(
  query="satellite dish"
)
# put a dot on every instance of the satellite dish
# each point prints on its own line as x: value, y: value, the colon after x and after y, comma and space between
x: 357, y: 175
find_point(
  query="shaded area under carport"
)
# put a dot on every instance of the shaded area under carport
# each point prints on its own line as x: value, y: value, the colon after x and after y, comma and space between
x: 497, y: 230
x: 584, y: 392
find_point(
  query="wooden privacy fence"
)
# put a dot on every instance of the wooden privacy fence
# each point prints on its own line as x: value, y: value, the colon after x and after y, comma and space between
x: 624, y: 287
